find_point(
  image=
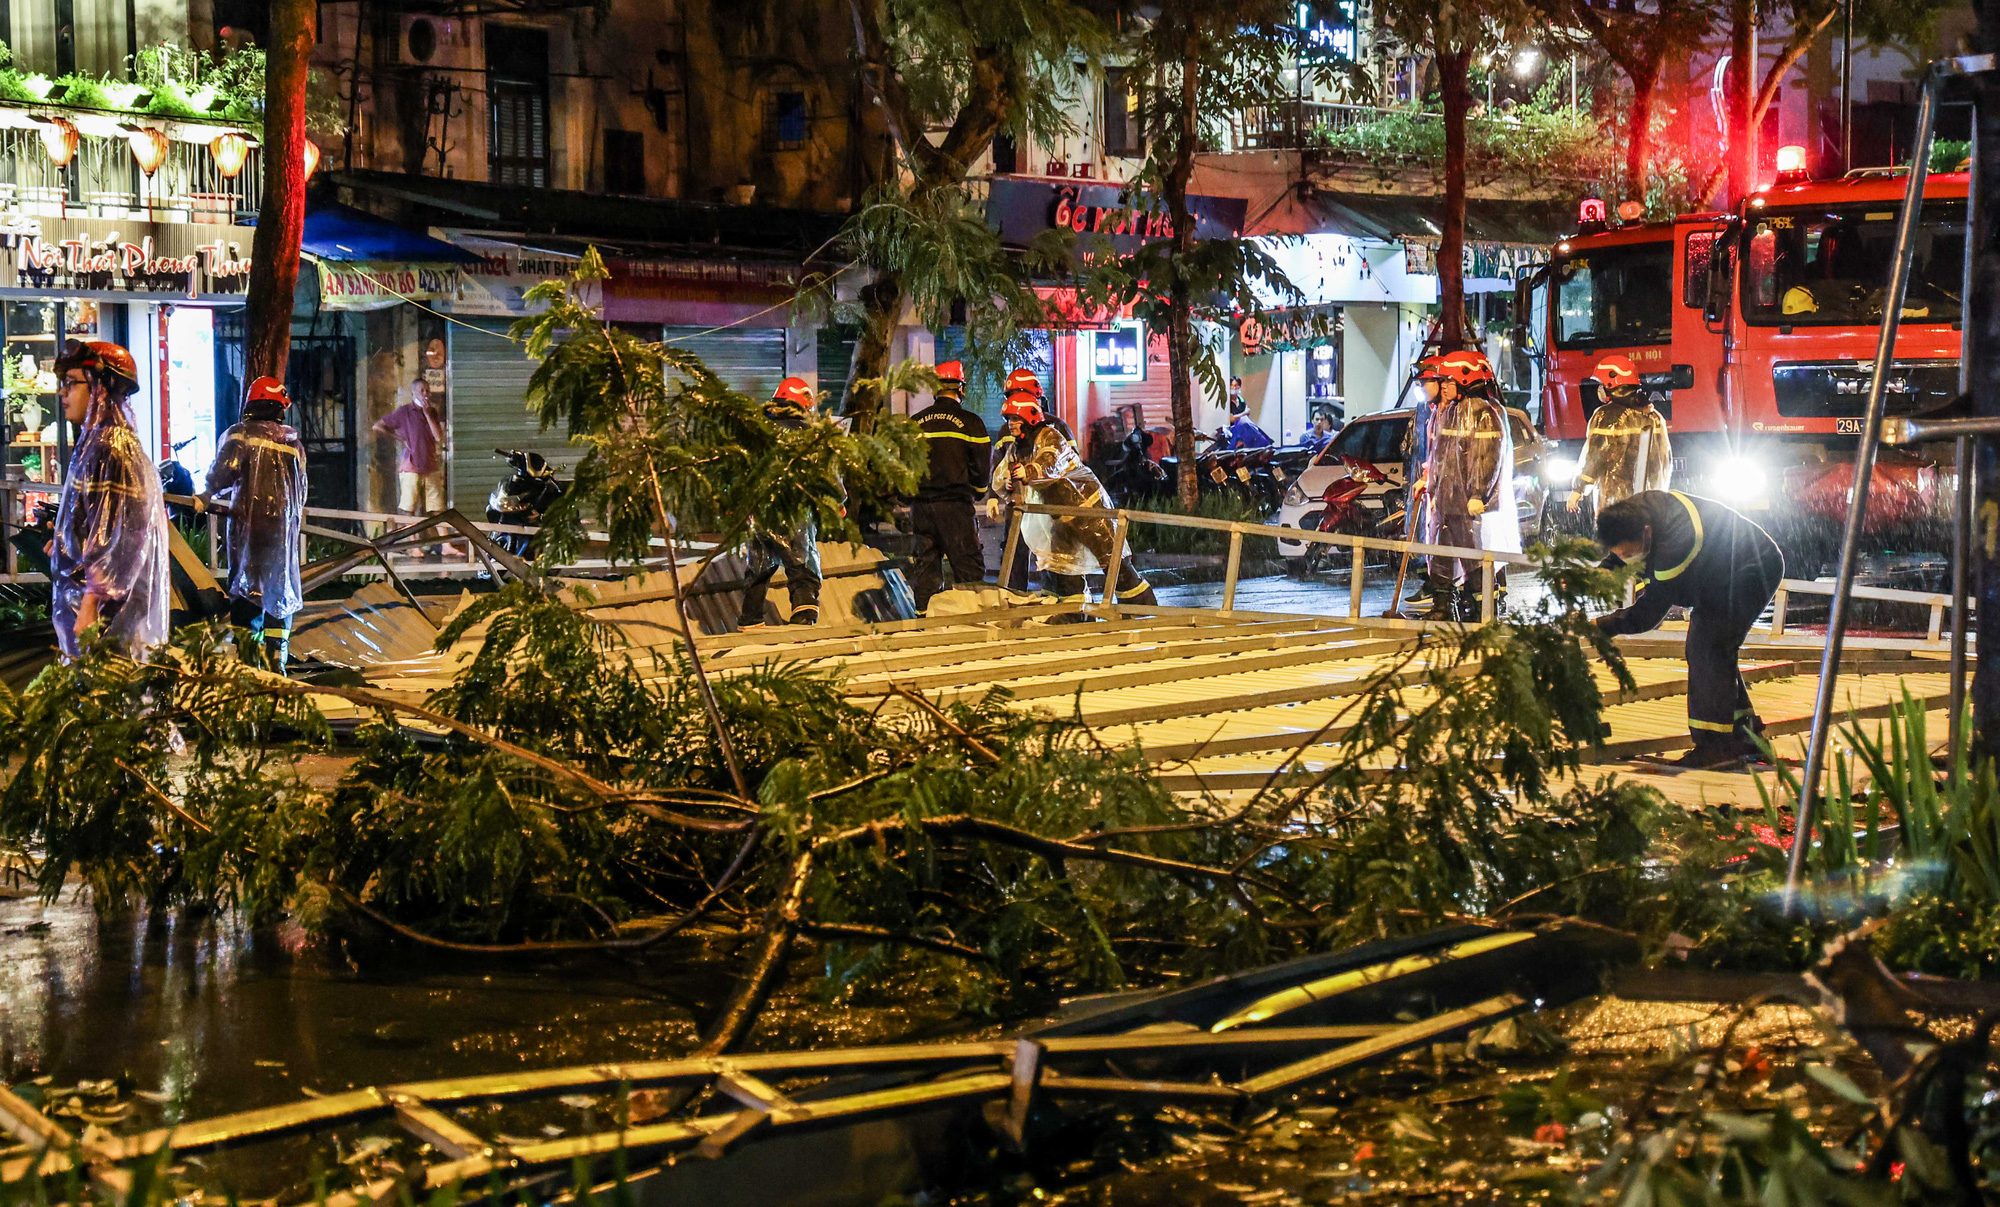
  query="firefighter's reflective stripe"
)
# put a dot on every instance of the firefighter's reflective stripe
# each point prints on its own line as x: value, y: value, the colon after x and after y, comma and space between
x: 1694, y: 517
x: 1138, y: 588
x: 966, y: 436
x: 267, y: 445
x: 1712, y: 726
x: 1473, y: 432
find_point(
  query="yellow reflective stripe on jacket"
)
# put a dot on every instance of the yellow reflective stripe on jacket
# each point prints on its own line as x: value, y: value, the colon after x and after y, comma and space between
x: 1712, y: 726
x: 272, y: 445
x: 1474, y: 433
x: 954, y: 436
x: 1695, y: 516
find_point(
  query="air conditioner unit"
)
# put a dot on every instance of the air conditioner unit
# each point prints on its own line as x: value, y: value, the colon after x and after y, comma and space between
x: 437, y: 42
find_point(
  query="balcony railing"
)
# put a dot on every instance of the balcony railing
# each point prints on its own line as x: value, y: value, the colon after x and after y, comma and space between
x: 103, y: 178
x: 1300, y: 124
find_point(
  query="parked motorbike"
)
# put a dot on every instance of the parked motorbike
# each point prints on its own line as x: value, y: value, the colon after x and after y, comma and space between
x: 522, y: 498
x: 31, y: 542
x: 1133, y: 474
x: 1348, y: 509
x: 175, y: 479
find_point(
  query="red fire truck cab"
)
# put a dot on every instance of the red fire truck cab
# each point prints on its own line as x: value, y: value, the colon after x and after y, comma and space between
x: 1771, y: 318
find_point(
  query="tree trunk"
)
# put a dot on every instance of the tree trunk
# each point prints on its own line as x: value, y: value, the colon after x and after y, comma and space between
x: 1180, y: 303
x: 882, y: 304
x: 274, y: 253
x: 1453, y: 65
x: 1639, y: 134
x: 1742, y: 102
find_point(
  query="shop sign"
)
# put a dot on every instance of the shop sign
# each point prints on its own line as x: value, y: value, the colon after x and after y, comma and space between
x: 1290, y: 330
x: 78, y: 255
x: 498, y: 284
x: 1022, y: 209
x: 1326, y: 31
x: 1119, y: 354
x: 375, y: 285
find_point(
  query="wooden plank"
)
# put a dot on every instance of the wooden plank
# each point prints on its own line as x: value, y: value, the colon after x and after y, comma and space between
x: 1389, y: 1043
x: 1094, y: 1087
x: 1185, y: 673
x: 755, y: 1094
x: 266, y: 1123
x: 1004, y: 667
x: 439, y: 1131
x: 28, y: 1125
x: 915, y: 650
x: 1029, y: 643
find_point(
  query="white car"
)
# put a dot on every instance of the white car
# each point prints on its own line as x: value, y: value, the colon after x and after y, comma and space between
x: 1378, y: 440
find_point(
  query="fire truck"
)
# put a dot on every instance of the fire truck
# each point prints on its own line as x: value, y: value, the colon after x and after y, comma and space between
x: 1755, y: 333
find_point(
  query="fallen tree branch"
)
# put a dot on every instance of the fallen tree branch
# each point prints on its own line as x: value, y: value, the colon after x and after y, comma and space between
x: 954, y: 728
x: 747, y: 999
x: 877, y: 934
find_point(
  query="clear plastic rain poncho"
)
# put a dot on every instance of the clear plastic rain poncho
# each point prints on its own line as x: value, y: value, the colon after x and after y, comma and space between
x: 1056, y: 476
x: 111, y: 538
x: 259, y: 482
x: 1472, y: 457
x: 1626, y: 450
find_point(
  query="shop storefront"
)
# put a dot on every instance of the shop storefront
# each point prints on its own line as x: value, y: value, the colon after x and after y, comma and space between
x: 157, y: 288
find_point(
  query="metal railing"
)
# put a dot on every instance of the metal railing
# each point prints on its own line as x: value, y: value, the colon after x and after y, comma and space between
x: 103, y: 181
x: 1122, y: 519
x: 1298, y: 124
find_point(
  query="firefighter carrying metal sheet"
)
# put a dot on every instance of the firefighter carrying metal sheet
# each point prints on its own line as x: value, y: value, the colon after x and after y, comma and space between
x: 1626, y: 449
x: 941, y: 518
x: 1700, y: 555
x: 1468, y: 482
x: 259, y: 481
x: 1043, y: 466
x: 798, y: 552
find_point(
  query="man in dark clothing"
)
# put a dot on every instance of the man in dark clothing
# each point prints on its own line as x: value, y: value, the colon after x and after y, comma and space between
x: 259, y: 481
x: 941, y: 513
x: 1702, y: 556
x: 798, y: 552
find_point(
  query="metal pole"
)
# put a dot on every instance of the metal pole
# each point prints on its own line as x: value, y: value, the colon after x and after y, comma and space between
x: 1961, y: 525
x: 1846, y: 89
x: 1857, y: 502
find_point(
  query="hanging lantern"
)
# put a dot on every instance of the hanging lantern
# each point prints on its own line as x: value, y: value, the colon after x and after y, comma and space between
x: 311, y: 158
x: 230, y: 150
x: 149, y: 147
x: 59, y: 139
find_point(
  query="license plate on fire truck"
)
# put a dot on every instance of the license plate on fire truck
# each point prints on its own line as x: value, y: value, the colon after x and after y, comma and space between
x: 1847, y: 427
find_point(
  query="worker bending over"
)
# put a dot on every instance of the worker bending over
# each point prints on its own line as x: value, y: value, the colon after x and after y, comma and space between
x: 1697, y: 554
x: 790, y: 408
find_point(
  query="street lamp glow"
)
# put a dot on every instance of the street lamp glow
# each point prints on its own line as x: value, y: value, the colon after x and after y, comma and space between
x: 1526, y: 62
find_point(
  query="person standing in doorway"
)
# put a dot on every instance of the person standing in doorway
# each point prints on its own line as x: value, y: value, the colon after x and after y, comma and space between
x: 259, y: 482
x: 790, y: 408
x: 108, y: 561
x: 420, y: 449
x: 941, y: 518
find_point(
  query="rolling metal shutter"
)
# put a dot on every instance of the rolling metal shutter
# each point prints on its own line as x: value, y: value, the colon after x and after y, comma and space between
x: 489, y: 410
x: 747, y: 359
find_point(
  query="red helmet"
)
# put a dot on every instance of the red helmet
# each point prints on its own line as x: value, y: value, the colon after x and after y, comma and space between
x: 1430, y: 368
x: 103, y: 358
x: 1465, y: 367
x: 794, y: 391
x: 951, y: 373
x: 1024, y: 381
x: 269, y: 389
x: 1023, y: 407
x: 1615, y: 373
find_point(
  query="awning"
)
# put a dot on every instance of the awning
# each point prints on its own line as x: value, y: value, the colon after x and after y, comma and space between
x: 367, y: 263
x: 1390, y: 217
x: 341, y: 232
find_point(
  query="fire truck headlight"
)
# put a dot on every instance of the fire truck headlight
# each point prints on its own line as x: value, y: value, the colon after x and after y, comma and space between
x: 1739, y: 480
x: 1559, y: 471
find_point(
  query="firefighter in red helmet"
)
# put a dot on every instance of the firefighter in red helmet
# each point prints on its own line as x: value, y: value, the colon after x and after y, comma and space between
x: 108, y: 561
x: 1042, y: 465
x: 1468, y: 481
x: 791, y: 408
x: 259, y: 481
x: 941, y: 516
x: 1626, y: 449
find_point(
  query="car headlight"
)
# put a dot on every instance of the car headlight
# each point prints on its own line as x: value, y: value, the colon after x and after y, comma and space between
x: 1560, y: 471
x: 1738, y: 480
x: 1295, y: 493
